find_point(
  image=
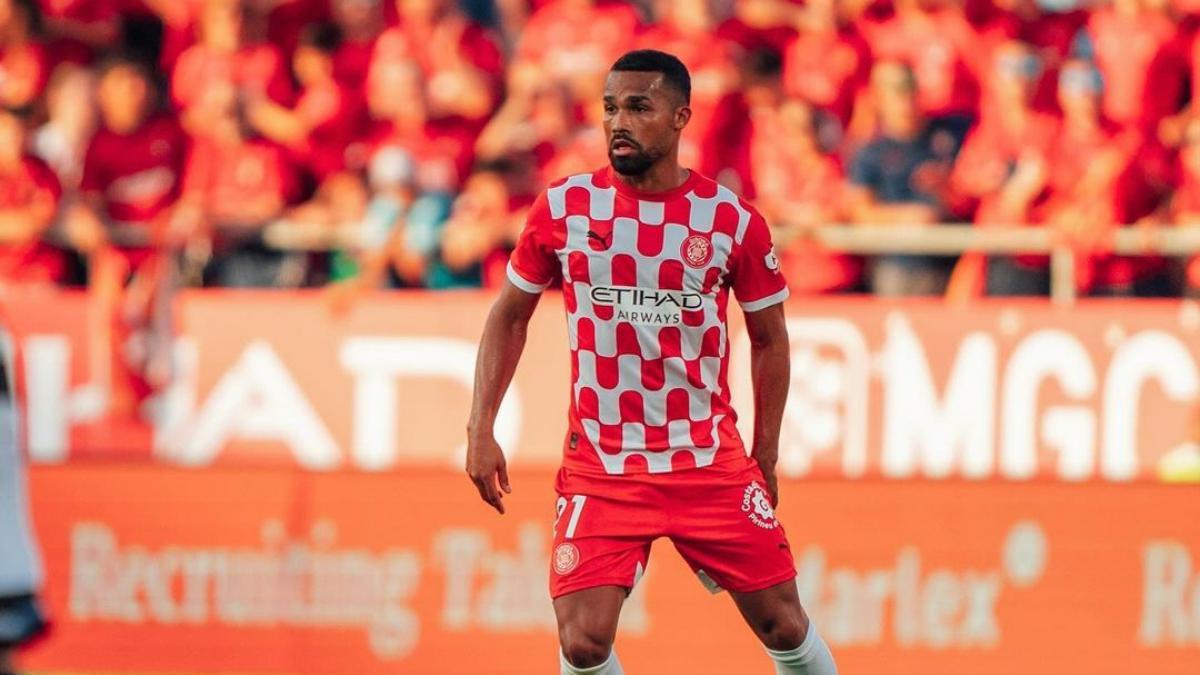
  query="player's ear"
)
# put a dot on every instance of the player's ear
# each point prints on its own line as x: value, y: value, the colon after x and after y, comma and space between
x: 682, y: 114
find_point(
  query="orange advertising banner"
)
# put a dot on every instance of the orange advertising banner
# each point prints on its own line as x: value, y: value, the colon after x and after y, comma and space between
x: 1105, y: 390
x: 156, y: 569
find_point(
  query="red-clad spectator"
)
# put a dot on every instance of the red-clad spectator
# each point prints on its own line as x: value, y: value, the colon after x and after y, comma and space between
x: 799, y: 187
x: 1011, y: 131
x: 131, y: 173
x: 442, y: 148
x: 1138, y: 51
x: 460, y: 60
x: 28, y: 201
x: 221, y: 56
x: 326, y: 116
x: 827, y: 63
x: 1089, y: 182
x: 760, y: 24
x: 531, y: 130
x: 361, y: 22
x: 685, y: 29
x: 576, y: 41
x: 234, y: 184
x: 24, y: 62
x: 934, y: 38
x: 1001, y: 169
x: 78, y: 29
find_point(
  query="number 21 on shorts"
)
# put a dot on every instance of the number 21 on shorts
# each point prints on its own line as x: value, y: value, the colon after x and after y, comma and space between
x: 576, y: 505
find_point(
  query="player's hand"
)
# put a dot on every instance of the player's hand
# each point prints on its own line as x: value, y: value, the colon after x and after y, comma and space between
x: 772, y: 482
x: 486, y: 464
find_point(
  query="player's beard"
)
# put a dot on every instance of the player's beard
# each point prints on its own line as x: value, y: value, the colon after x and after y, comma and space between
x: 636, y: 164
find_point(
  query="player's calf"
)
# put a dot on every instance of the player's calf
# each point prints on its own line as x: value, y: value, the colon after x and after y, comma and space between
x: 778, y: 620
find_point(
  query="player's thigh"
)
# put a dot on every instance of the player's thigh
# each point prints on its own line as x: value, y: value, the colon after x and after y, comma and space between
x: 774, y: 614
x: 602, y: 536
x: 728, y: 533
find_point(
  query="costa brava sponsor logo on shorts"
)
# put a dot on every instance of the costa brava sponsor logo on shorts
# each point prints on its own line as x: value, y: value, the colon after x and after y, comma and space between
x: 649, y: 306
x: 757, y: 507
x: 566, y: 558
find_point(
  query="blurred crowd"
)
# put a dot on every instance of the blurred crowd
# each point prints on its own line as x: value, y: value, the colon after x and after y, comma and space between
x: 148, y: 144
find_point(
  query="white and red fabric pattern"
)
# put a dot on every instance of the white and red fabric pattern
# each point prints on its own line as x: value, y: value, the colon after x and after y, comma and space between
x: 646, y: 280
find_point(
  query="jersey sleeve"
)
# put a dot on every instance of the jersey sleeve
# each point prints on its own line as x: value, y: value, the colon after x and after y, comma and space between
x: 757, y: 281
x: 533, y: 263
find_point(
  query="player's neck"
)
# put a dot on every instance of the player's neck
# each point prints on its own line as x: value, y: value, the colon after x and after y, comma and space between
x: 662, y: 177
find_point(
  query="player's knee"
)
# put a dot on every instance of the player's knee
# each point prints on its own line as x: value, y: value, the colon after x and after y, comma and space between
x: 583, y: 648
x: 783, y: 632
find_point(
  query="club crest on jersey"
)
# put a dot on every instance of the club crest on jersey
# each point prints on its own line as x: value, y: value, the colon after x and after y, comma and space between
x: 566, y: 558
x: 757, y: 507
x: 696, y: 251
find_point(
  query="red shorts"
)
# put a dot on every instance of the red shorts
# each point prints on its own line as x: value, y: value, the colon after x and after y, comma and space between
x: 719, y: 519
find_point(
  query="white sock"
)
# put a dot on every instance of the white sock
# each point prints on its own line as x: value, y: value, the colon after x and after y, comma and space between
x: 611, y: 666
x: 812, y: 657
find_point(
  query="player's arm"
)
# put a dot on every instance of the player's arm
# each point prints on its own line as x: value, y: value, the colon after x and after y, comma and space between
x: 761, y: 290
x: 770, y: 372
x: 499, y: 351
x: 530, y: 270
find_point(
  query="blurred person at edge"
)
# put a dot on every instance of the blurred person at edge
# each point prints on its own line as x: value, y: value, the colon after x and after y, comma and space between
x: 460, y: 61
x: 29, y: 195
x: 63, y: 138
x: 827, y: 63
x: 222, y: 57
x: 21, y: 618
x: 685, y: 29
x: 1097, y: 178
x: 900, y: 178
x: 575, y: 41
x: 326, y: 116
x: 24, y: 60
x: 235, y: 183
x: 1001, y: 171
x: 799, y: 188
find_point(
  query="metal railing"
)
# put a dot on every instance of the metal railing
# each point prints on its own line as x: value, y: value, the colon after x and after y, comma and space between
x: 876, y: 239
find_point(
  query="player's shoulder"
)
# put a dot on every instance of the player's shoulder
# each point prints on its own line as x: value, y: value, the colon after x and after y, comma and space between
x: 578, y: 194
x: 729, y: 211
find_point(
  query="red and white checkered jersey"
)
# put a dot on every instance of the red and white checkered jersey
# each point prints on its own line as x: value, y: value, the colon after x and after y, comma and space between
x: 646, y: 279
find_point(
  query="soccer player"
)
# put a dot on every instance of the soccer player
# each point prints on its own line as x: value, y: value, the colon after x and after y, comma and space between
x: 647, y: 252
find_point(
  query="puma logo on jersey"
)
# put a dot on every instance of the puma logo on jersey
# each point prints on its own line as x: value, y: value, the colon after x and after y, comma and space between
x: 596, y: 236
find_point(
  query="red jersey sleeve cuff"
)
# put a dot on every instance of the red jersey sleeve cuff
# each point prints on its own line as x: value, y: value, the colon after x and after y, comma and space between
x: 763, y: 303
x: 522, y: 283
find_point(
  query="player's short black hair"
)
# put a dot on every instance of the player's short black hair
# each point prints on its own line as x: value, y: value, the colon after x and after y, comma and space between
x: 674, y: 73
